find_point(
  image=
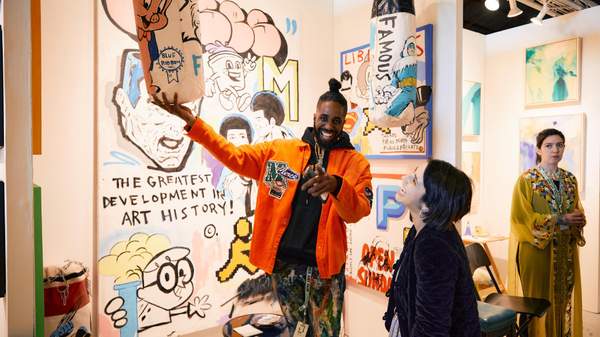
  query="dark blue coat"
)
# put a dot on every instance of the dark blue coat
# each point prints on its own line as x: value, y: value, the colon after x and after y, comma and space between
x: 433, y: 292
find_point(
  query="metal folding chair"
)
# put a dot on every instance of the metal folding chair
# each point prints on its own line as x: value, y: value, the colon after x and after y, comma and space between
x: 526, y: 307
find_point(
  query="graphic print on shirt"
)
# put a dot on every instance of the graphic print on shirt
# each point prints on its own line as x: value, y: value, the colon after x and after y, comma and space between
x: 277, y: 175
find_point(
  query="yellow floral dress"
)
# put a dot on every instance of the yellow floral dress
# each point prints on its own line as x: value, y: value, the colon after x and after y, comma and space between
x: 543, y: 259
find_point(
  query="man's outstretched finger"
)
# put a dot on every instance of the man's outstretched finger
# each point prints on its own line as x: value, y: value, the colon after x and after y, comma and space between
x: 156, y: 100
x: 309, y: 183
x: 164, y: 99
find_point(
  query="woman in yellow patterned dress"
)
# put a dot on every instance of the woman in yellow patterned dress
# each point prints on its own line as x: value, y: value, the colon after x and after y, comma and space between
x: 547, y: 223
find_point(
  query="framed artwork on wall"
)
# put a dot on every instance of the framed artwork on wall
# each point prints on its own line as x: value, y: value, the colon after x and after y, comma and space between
x: 572, y: 126
x: 553, y: 73
x: 471, y: 165
x: 471, y: 111
x: 411, y: 141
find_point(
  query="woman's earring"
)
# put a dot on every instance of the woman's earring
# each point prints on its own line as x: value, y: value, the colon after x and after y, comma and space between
x: 423, y: 209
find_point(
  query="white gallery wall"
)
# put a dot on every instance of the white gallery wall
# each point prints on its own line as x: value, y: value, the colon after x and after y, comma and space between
x: 19, y: 303
x: 64, y: 170
x: 502, y: 58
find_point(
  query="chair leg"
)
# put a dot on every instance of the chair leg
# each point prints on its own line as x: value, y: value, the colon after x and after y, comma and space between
x: 524, y: 321
x: 513, y: 331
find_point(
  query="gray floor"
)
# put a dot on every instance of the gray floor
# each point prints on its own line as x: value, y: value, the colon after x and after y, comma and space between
x: 591, y: 324
x: 591, y: 327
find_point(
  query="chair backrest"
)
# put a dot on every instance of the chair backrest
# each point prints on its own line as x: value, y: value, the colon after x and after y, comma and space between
x: 478, y: 258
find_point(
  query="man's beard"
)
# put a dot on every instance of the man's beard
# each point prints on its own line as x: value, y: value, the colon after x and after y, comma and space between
x: 324, y: 143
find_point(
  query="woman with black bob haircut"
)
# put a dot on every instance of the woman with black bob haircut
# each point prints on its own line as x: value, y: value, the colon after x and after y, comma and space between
x: 432, y: 292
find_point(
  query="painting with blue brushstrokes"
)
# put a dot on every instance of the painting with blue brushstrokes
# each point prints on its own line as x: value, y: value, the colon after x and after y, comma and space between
x: 552, y: 73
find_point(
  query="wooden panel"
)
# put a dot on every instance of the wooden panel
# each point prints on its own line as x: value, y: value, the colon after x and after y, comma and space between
x: 39, y: 261
x: 36, y: 78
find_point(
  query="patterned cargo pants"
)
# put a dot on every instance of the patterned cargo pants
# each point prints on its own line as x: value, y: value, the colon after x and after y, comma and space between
x: 325, y: 298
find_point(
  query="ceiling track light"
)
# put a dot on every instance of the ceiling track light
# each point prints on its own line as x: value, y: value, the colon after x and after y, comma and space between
x: 514, y: 9
x: 492, y: 5
x: 540, y: 17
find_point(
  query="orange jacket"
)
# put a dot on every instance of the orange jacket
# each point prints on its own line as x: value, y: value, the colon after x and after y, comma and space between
x: 277, y: 166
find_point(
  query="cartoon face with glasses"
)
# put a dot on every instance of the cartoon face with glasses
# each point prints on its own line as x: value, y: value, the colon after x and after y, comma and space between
x: 166, y: 288
x: 167, y: 279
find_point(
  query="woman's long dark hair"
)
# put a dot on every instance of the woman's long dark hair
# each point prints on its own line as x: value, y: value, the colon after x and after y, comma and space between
x: 539, y: 140
x: 448, y: 193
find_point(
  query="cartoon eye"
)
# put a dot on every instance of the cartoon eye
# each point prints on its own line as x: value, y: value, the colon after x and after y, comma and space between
x: 185, y: 270
x: 228, y: 65
x: 238, y: 65
x: 167, y: 277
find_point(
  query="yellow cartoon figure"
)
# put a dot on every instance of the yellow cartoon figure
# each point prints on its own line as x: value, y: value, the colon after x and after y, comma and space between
x: 239, y: 253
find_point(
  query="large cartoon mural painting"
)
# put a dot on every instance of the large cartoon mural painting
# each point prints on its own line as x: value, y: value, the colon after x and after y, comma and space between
x: 174, y: 224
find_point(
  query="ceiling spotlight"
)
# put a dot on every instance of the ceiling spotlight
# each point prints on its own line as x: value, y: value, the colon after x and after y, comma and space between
x: 538, y: 19
x: 514, y: 10
x: 492, y: 5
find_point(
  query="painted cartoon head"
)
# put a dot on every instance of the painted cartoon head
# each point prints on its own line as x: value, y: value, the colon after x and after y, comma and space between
x: 229, y: 70
x: 154, y: 131
x: 269, y: 103
x: 268, y: 117
x: 346, y: 79
x: 237, y: 130
x: 167, y: 279
x: 243, y: 228
x: 150, y: 14
x: 410, y: 47
x: 414, y: 121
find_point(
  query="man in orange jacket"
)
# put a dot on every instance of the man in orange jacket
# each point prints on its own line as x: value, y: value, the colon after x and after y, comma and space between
x: 308, y: 190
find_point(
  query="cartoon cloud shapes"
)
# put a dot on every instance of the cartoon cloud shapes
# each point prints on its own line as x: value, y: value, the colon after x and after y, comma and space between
x: 210, y: 21
x: 246, y: 32
x: 128, y: 258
